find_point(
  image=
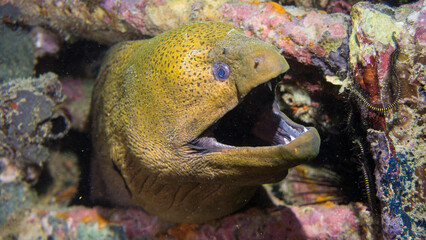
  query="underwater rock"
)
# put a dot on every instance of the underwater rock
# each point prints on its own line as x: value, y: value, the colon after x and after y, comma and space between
x: 59, y: 181
x: 343, y: 6
x: 29, y: 119
x: 311, y: 222
x: 74, y: 19
x: 387, y: 58
x: 310, y: 36
x: 77, y: 103
x: 45, y: 42
x: 15, y: 200
x: 330, y: 6
x: 17, y: 58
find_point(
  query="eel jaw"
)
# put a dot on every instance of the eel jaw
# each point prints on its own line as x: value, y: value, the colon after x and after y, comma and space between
x: 257, y: 125
x: 281, y: 131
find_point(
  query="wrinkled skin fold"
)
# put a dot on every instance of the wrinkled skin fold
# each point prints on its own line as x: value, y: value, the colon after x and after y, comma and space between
x: 184, y: 126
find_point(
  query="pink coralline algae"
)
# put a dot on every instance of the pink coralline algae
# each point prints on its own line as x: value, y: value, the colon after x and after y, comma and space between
x: 132, y: 11
x: 310, y: 36
x: 45, y: 41
x: 301, y: 34
x: 72, y: 88
x: 421, y: 29
x: 339, y: 6
x: 313, y: 222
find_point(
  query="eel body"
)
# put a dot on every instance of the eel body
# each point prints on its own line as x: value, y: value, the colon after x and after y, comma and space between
x: 184, y: 126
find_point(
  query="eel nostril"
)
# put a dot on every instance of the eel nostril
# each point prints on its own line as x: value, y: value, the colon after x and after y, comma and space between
x: 256, y: 63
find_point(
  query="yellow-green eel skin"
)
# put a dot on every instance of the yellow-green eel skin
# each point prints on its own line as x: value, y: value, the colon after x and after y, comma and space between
x: 154, y: 96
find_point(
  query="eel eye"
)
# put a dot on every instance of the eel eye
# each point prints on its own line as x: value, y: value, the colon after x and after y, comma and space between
x: 221, y: 71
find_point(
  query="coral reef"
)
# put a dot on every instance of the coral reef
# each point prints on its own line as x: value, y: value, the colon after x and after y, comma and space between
x: 45, y: 41
x: 79, y: 93
x: 314, y: 222
x: 113, y: 21
x: 310, y: 36
x: 387, y: 58
x: 29, y: 119
x: 359, y: 79
x: 73, y: 19
x: 328, y: 5
x: 17, y: 57
x: 15, y: 200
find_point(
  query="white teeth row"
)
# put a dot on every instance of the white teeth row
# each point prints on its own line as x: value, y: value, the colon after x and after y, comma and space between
x: 304, y: 129
x: 269, y: 85
x: 286, y: 141
x: 292, y: 138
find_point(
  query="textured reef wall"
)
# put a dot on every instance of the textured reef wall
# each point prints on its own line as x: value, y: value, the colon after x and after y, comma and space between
x: 359, y: 78
x: 29, y: 119
x: 387, y: 60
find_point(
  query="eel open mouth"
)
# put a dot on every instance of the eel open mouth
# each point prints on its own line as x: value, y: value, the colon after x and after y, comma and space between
x: 256, y: 121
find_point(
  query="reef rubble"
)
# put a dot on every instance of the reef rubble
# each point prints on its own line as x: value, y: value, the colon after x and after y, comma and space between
x: 314, y: 222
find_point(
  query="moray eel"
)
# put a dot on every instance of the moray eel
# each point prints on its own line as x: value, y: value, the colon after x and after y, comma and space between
x: 184, y: 126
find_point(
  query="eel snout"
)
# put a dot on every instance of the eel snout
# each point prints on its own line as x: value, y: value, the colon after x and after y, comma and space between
x: 262, y: 63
